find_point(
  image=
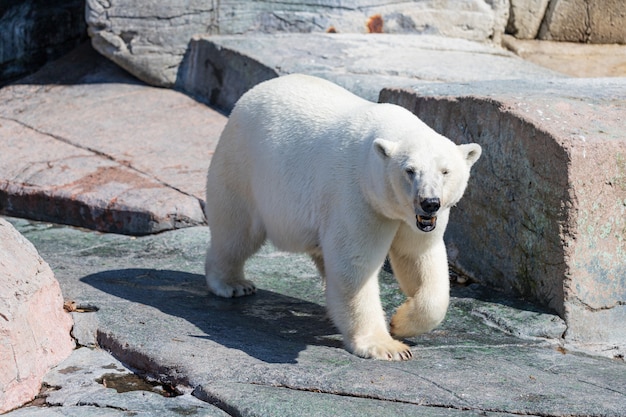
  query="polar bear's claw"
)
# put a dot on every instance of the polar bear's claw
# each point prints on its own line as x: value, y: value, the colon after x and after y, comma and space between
x: 245, y: 288
x: 391, y: 350
x: 233, y: 290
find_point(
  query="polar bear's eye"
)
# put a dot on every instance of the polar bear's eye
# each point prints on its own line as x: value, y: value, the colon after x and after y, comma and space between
x: 410, y: 172
x: 445, y: 171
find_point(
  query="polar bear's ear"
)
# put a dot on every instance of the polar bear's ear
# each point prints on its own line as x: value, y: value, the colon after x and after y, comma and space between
x: 471, y: 152
x: 384, y: 147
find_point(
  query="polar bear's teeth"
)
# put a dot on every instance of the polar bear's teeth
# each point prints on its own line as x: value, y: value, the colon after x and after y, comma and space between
x: 426, y: 223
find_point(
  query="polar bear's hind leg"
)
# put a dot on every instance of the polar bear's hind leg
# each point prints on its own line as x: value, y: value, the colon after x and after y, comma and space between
x: 235, y: 236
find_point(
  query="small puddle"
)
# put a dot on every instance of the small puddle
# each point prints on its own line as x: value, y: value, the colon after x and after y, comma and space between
x: 132, y: 382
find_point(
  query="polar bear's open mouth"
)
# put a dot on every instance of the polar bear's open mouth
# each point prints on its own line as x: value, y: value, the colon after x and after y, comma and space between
x: 426, y: 223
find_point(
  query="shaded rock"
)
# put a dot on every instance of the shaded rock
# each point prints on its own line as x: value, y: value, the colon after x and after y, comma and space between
x: 544, y: 215
x: 34, y: 32
x: 34, y: 328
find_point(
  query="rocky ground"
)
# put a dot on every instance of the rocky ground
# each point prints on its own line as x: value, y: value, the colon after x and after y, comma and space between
x: 87, y: 144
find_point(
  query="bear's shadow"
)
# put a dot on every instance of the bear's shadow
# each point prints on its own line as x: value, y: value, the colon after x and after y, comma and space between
x: 269, y: 326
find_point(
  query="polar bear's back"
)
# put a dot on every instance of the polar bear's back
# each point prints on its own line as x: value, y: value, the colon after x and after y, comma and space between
x: 308, y: 103
x: 286, y: 147
x: 286, y: 125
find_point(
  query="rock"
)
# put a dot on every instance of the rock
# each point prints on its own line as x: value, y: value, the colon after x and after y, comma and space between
x: 276, y: 354
x: 34, y: 328
x: 151, y: 40
x: 590, y: 21
x: 219, y: 69
x: 475, y: 20
x: 91, y: 380
x: 112, y: 153
x: 147, y: 39
x: 34, y: 32
x: 525, y: 18
x: 545, y: 212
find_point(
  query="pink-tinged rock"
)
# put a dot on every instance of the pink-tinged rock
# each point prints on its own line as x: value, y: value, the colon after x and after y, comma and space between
x: 86, y: 144
x: 66, y: 184
x: 34, y: 328
x: 544, y: 215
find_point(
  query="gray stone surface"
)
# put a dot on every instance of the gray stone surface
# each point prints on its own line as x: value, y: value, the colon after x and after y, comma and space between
x: 150, y: 39
x: 245, y: 355
x: 545, y: 213
x: 91, y: 382
x: 112, y: 153
x: 219, y: 69
x: 478, y: 20
x: 33, y: 32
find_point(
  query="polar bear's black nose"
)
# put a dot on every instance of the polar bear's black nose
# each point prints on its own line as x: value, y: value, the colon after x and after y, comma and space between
x: 430, y: 205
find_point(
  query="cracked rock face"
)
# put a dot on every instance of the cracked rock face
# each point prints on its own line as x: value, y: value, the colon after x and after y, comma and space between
x: 95, y: 167
x: 34, y: 328
x: 588, y: 21
x: 151, y: 40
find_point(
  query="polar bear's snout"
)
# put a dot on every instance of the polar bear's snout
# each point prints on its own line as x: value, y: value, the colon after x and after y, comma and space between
x: 427, y: 221
x: 430, y: 205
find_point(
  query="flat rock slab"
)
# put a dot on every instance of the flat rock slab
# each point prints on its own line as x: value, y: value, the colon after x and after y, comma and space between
x: 91, y: 146
x: 275, y: 353
x: 219, y: 69
x: 92, y: 383
x: 545, y: 213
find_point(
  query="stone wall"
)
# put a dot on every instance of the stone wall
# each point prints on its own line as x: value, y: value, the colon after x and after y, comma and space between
x: 544, y: 215
x: 33, y: 32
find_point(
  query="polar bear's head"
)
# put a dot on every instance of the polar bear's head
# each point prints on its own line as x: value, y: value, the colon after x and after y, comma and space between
x: 425, y: 176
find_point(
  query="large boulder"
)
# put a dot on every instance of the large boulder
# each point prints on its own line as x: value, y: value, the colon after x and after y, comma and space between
x: 34, y: 328
x: 590, y: 21
x: 149, y: 39
x: 545, y: 213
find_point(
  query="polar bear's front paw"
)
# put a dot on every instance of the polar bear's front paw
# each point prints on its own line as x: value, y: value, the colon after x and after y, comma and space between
x: 389, y: 350
x: 232, y: 289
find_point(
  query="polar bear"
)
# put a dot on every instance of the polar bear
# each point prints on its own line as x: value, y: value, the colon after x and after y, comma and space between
x: 315, y: 169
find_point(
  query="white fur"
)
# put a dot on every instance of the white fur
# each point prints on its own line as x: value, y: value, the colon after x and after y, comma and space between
x: 319, y: 170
